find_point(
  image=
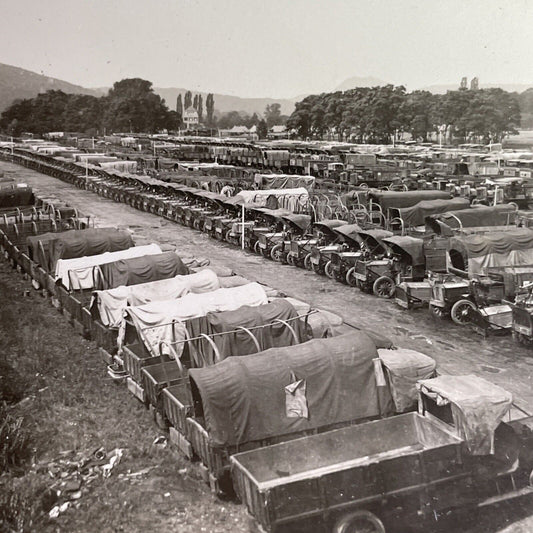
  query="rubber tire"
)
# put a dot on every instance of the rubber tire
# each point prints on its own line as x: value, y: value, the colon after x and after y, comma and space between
x: 458, y: 312
x: 227, y: 236
x: 307, y: 262
x: 437, y: 312
x: 276, y: 252
x: 257, y: 250
x: 347, y: 524
x: 291, y: 261
x: 317, y: 269
x: 383, y: 281
x: 350, y: 278
x: 327, y: 270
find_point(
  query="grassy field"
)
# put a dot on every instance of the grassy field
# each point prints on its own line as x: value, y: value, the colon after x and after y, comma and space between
x: 60, y: 404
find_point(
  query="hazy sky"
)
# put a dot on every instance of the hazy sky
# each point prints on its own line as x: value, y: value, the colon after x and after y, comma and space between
x: 269, y: 48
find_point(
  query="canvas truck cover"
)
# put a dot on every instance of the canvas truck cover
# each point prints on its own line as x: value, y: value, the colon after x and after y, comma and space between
x: 404, y: 368
x: 477, y: 407
x: 110, y: 304
x: 329, y: 225
x: 284, y: 181
x: 279, y: 313
x: 16, y: 197
x: 387, y: 199
x: 286, y: 198
x: 416, y: 215
x: 76, y: 243
x: 77, y: 273
x: 302, y: 222
x: 492, y: 249
x: 140, y: 270
x: 251, y: 398
x: 475, y: 217
x: 160, y: 325
x: 406, y: 245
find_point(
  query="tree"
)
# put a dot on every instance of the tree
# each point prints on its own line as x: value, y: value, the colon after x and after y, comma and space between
x: 187, y: 101
x: 230, y: 119
x: 210, y: 108
x: 272, y: 114
x: 179, y: 111
x: 200, y: 107
x: 262, y: 129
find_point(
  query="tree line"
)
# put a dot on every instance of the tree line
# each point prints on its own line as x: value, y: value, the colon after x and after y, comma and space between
x: 130, y: 106
x: 381, y: 114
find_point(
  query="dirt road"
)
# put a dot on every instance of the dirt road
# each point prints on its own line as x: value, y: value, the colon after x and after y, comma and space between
x: 456, y: 350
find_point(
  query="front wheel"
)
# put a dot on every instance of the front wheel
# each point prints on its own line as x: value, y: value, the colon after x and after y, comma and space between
x: 257, y: 248
x: 307, y: 262
x: 351, y: 280
x: 276, y: 253
x: 384, y: 287
x: 328, y: 270
x: 291, y: 260
x: 460, y: 311
x: 359, y: 522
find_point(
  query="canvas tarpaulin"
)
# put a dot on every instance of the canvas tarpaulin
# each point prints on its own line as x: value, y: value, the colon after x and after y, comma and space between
x: 16, y: 197
x: 140, y: 270
x: 477, y: 407
x: 284, y: 181
x: 406, y: 245
x: 404, y: 368
x: 286, y: 198
x: 244, y: 398
x: 416, y: 215
x: 475, y: 217
x: 160, y: 325
x: 47, y: 248
x: 77, y: 273
x: 388, y: 199
x: 492, y: 249
x: 110, y: 304
x: 240, y: 342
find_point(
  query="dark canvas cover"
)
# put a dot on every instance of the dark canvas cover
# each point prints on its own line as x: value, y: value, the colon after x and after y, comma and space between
x: 240, y: 342
x: 140, y: 270
x: 496, y: 242
x: 16, y: 197
x: 387, y: 199
x: 416, y: 215
x: 245, y: 398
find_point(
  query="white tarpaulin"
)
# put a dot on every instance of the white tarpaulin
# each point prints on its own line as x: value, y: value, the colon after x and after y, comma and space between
x: 79, y: 270
x: 477, y: 407
x: 286, y: 198
x: 160, y: 325
x: 112, y: 302
x: 480, y: 265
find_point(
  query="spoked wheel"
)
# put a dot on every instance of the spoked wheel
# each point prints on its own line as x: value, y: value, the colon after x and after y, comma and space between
x: 307, y: 262
x: 384, y: 287
x: 257, y: 249
x: 359, y: 522
x: 460, y: 310
x: 228, y: 236
x: 291, y: 260
x: 276, y: 253
x: 437, y: 312
x: 328, y: 270
x: 317, y: 269
x: 350, y: 277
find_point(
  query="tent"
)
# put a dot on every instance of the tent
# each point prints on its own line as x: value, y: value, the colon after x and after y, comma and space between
x: 285, y: 390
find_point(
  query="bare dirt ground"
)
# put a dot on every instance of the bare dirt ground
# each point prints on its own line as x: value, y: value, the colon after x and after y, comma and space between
x: 81, y: 409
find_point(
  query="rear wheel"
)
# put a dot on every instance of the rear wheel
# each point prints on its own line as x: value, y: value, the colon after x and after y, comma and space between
x: 460, y: 311
x: 359, y: 522
x: 350, y: 277
x: 291, y: 260
x: 257, y: 249
x: 328, y: 270
x: 307, y: 262
x: 384, y: 287
x: 276, y: 253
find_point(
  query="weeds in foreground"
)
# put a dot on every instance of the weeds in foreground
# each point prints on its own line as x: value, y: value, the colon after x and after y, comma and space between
x: 14, y: 441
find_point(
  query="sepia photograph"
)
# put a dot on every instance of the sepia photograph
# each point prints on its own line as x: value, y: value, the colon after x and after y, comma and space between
x: 266, y: 266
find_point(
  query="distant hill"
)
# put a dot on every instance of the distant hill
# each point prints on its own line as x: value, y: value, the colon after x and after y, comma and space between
x: 18, y: 83
x: 357, y: 81
x: 225, y: 102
